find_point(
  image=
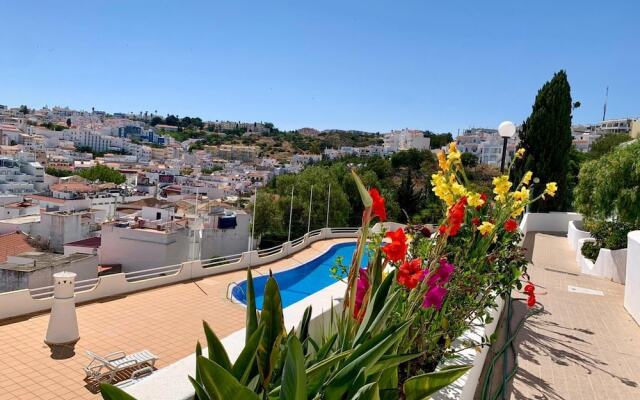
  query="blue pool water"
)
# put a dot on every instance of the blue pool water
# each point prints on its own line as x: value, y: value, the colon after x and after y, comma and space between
x: 299, y: 282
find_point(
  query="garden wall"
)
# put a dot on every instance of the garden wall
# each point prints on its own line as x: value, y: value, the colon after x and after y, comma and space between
x: 632, y: 285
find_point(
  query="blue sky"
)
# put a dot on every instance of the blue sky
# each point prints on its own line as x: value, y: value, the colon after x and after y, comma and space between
x: 370, y: 65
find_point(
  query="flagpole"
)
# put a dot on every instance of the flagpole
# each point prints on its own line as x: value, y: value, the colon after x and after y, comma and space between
x: 310, y: 200
x: 290, y: 214
x: 253, y: 220
x: 328, y: 205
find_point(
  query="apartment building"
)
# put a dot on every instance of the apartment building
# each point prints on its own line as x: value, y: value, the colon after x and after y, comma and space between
x: 406, y: 139
x: 487, y: 145
x: 235, y: 152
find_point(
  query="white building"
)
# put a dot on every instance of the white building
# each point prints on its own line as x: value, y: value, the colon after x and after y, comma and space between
x: 406, y: 139
x: 487, y: 145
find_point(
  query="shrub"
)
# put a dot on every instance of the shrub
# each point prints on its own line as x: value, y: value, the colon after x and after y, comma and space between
x: 608, y: 186
x: 610, y: 235
x: 590, y: 250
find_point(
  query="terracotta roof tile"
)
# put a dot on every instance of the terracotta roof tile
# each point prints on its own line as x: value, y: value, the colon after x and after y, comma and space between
x: 12, y: 244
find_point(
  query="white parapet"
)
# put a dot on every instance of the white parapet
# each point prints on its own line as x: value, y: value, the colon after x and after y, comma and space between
x: 632, y: 281
x: 575, y: 233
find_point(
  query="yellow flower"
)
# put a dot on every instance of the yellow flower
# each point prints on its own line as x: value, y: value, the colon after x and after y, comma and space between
x: 527, y: 177
x: 551, y: 189
x: 520, y: 152
x: 474, y: 199
x: 442, y: 161
x: 441, y: 188
x: 454, y: 155
x: 456, y: 188
x: 521, y: 195
x: 516, y: 213
x: 501, y: 187
x: 486, y: 228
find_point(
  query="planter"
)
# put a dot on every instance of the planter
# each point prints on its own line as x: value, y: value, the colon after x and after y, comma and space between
x: 610, y: 264
x: 575, y: 233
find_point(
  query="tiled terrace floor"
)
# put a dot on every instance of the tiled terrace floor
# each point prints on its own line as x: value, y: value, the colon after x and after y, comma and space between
x: 167, y: 321
x: 582, y: 346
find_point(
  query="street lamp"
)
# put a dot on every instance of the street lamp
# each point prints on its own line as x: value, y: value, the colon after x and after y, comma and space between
x: 506, y: 130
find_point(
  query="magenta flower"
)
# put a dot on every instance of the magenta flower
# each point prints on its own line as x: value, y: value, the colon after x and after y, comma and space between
x: 437, y: 279
x: 362, y: 285
x: 442, y: 275
x: 434, y: 297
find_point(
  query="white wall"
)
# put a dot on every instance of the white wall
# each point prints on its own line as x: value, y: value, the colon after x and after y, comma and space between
x: 632, y: 283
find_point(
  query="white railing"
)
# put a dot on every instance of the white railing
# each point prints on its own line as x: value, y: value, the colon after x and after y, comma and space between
x: 28, y: 301
x: 167, y: 270
x: 222, y: 260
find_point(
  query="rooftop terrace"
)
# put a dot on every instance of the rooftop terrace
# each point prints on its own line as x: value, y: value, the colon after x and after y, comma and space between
x: 583, y: 346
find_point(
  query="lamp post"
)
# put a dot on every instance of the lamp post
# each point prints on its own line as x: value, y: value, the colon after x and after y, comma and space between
x: 506, y: 130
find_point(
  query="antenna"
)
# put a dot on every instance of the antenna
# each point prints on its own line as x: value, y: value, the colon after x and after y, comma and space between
x: 606, y: 99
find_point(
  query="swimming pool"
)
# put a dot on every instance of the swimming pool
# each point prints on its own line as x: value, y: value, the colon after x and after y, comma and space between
x: 301, y: 281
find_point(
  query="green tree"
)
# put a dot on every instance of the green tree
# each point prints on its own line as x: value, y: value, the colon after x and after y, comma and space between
x: 102, y: 173
x: 407, y: 198
x: 606, y: 143
x: 60, y: 173
x: 23, y: 109
x: 546, y: 137
x: 412, y: 158
x: 469, y: 160
x: 156, y: 120
x: 608, y: 187
x: 68, y: 122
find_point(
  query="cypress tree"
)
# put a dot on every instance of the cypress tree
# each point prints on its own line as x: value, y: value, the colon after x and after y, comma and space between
x: 546, y: 137
x: 407, y: 198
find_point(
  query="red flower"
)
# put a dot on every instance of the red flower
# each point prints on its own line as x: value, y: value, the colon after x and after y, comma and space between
x: 425, y: 231
x: 378, y: 204
x: 531, y: 301
x: 484, y: 197
x: 455, y: 218
x: 529, y: 288
x: 411, y: 273
x: 475, y: 221
x: 511, y: 225
x: 397, y: 249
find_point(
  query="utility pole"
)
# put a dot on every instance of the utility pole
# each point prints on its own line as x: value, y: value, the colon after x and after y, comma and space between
x: 290, y: 214
x: 328, y: 205
x: 606, y: 99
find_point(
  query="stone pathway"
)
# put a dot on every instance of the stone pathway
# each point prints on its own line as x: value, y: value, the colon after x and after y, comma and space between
x: 583, y: 346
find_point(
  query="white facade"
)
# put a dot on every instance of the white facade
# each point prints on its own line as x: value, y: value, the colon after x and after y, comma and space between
x: 487, y: 145
x: 406, y: 139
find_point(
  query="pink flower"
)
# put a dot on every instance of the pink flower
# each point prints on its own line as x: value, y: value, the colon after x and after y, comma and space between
x: 434, y: 297
x: 442, y: 275
x: 361, y: 289
x: 436, y: 292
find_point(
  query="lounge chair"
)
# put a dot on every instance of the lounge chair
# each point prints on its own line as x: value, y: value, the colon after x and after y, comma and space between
x: 104, y: 369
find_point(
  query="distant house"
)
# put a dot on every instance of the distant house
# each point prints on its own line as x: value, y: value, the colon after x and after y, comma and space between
x: 12, y: 244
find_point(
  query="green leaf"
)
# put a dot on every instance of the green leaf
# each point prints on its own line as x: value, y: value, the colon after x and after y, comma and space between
x: 423, y: 386
x: 317, y: 373
x: 304, y: 328
x: 326, y: 347
x: 217, y: 352
x: 391, y: 361
x: 110, y: 392
x: 365, y: 356
x: 252, y: 316
x: 245, y: 363
x: 357, y: 383
x: 220, y: 384
x: 294, y: 381
x: 201, y: 394
x: 367, y: 201
x: 374, y: 308
x: 197, y: 379
x: 368, y: 392
x: 273, y: 321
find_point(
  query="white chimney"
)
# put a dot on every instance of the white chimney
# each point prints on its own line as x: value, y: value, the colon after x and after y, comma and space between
x: 62, y: 333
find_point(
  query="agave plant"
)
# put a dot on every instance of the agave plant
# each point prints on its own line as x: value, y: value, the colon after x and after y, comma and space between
x: 347, y: 362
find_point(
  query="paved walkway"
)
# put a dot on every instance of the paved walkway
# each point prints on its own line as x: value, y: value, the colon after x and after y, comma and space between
x: 583, y: 346
x: 167, y: 321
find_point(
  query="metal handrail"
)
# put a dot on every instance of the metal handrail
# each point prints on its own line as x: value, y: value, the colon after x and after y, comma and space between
x: 270, y: 250
x: 147, y: 270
